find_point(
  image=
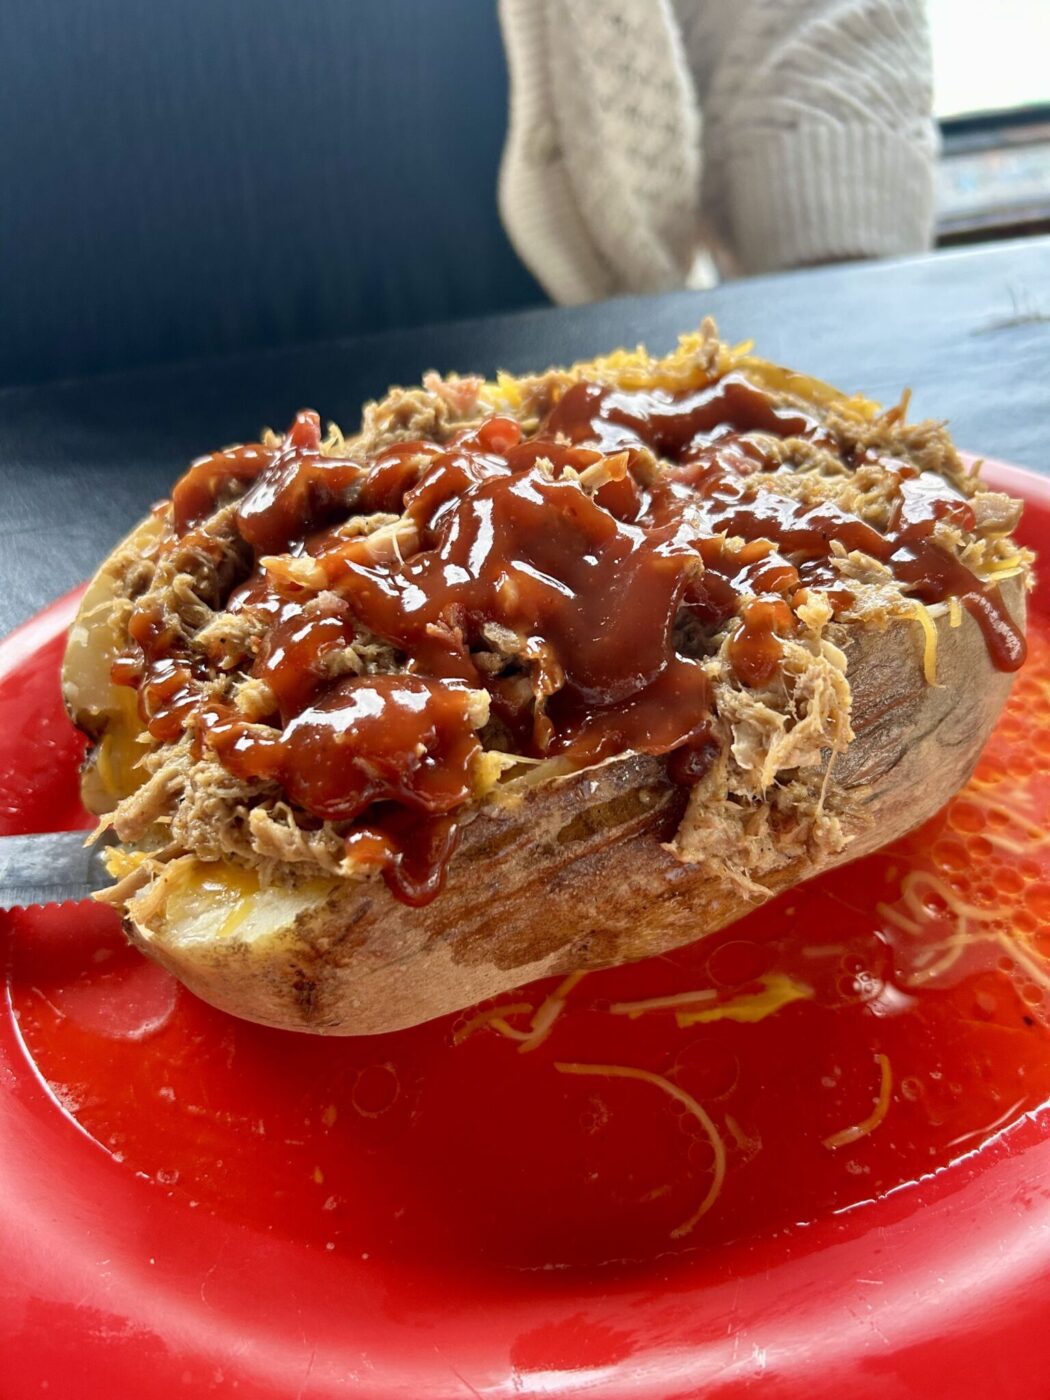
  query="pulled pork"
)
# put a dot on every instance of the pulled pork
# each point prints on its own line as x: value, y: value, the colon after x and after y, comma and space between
x: 214, y: 595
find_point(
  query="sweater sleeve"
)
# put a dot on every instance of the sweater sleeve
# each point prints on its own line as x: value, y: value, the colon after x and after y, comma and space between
x: 818, y: 138
x: 599, y: 184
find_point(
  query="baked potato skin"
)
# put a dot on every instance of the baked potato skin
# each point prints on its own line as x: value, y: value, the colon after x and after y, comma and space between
x: 94, y: 640
x: 572, y: 873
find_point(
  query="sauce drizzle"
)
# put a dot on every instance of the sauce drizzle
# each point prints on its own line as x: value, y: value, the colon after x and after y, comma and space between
x: 570, y: 576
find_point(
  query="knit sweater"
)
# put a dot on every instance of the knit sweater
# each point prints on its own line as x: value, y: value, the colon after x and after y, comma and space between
x: 659, y: 143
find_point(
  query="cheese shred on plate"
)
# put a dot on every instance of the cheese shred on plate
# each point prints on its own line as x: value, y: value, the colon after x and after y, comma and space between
x: 875, y: 1117
x: 687, y: 1101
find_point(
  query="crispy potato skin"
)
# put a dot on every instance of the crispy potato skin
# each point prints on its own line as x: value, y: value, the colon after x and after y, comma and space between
x: 94, y: 704
x: 94, y: 639
x: 570, y: 874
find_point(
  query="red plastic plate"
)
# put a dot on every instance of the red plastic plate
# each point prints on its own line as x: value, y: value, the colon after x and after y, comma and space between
x: 190, y: 1205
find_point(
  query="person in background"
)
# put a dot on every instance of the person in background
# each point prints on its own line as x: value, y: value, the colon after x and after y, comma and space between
x: 660, y: 143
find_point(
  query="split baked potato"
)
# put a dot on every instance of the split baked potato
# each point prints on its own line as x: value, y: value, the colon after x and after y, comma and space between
x: 369, y: 764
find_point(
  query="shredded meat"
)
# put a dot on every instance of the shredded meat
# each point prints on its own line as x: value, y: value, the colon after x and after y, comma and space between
x: 740, y: 840
x: 762, y: 805
x: 460, y: 394
x: 228, y: 639
x: 278, y: 840
x: 758, y: 809
x: 212, y: 816
x: 254, y: 699
x: 155, y: 800
x: 433, y: 412
x: 996, y: 513
x: 926, y: 444
x: 793, y: 724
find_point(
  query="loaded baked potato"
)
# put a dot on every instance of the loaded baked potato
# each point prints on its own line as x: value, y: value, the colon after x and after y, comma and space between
x: 532, y: 676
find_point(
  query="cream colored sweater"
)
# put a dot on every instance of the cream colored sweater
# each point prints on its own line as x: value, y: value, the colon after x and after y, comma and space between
x: 656, y: 143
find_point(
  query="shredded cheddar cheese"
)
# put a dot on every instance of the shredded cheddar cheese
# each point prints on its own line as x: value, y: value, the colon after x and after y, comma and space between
x: 919, y: 886
x: 1036, y: 970
x: 548, y: 1012
x: 542, y: 1019
x: 875, y: 1117
x: 119, y: 862
x: 778, y: 991
x: 646, y: 1076
x: 1000, y: 574
x: 929, y: 647
x: 1022, y: 841
x: 491, y: 1016
x: 1009, y: 567
x: 634, y: 1009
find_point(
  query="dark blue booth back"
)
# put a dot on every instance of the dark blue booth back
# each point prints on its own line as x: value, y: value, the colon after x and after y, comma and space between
x: 187, y: 177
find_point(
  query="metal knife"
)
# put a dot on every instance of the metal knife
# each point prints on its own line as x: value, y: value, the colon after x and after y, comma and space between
x: 51, y: 869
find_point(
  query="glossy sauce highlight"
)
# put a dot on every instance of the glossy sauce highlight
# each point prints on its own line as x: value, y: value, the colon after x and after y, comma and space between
x: 573, y: 547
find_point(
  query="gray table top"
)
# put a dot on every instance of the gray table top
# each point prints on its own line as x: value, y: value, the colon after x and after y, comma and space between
x: 81, y: 461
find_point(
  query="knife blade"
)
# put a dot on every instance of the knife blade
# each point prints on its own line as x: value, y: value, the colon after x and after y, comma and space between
x: 53, y: 868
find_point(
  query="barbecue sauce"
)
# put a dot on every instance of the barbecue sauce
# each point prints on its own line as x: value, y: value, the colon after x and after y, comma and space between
x: 570, y: 559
